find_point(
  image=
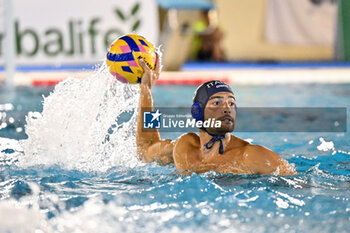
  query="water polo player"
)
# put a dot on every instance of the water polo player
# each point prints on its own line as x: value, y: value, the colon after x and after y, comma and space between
x: 215, y: 149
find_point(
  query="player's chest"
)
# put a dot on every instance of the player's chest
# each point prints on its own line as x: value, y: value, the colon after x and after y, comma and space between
x: 234, y: 156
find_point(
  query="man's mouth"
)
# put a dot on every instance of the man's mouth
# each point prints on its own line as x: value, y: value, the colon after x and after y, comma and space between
x: 226, y: 119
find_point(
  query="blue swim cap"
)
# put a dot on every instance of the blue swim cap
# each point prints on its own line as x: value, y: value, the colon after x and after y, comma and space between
x: 202, y: 95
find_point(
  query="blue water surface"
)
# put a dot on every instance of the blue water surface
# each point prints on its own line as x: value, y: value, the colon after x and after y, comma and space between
x: 154, y: 198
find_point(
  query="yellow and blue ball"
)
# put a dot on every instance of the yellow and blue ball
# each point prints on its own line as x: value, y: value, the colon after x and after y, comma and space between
x: 123, y: 58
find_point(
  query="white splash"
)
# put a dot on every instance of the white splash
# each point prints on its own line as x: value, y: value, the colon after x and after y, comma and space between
x: 249, y: 140
x: 14, y: 149
x: 281, y: 203
x: 79, y: 128
x: 325, y: 146
x: 24, y: 215
x: 292, y: 200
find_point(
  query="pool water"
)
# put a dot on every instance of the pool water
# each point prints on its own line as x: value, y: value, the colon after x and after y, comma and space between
x: 47, y: 185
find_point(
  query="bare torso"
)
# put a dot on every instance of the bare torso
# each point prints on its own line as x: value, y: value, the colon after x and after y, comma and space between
x: 239, y: 157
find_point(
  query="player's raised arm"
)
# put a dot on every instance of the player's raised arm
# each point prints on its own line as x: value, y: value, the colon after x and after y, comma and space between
x: 150, y: 147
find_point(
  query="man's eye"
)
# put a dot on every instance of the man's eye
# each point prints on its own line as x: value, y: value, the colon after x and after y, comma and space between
x: 232, y: 104
x: 216, y: 103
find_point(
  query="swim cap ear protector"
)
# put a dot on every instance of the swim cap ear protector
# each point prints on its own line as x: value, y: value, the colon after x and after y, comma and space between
x: 196, y: 111
x: 202, y: 95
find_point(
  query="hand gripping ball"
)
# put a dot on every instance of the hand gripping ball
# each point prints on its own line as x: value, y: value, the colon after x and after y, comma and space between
x: 123, y: 58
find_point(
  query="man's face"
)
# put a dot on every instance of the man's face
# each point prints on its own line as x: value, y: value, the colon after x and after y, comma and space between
x: 221, y: 106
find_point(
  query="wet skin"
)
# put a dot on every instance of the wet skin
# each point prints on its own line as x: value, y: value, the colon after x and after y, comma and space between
x: 188, y: 151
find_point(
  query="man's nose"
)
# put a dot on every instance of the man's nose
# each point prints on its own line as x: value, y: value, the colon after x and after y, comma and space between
x: 227, y: 109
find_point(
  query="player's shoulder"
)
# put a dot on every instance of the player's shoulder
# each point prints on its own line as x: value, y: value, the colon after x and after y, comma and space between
x: 188, y: 139
x: 256, y: 148
x: 186, y: 151
x: 238, y: 142
x: 258, y: 152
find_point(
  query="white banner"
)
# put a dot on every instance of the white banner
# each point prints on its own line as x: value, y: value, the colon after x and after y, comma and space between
x: 301, y: 22
x: 70, y: 32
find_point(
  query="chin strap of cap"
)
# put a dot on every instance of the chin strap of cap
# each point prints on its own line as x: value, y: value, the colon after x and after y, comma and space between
x: 213, y: 140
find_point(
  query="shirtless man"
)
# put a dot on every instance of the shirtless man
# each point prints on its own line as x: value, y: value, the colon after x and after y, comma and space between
x: 215, y: 149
